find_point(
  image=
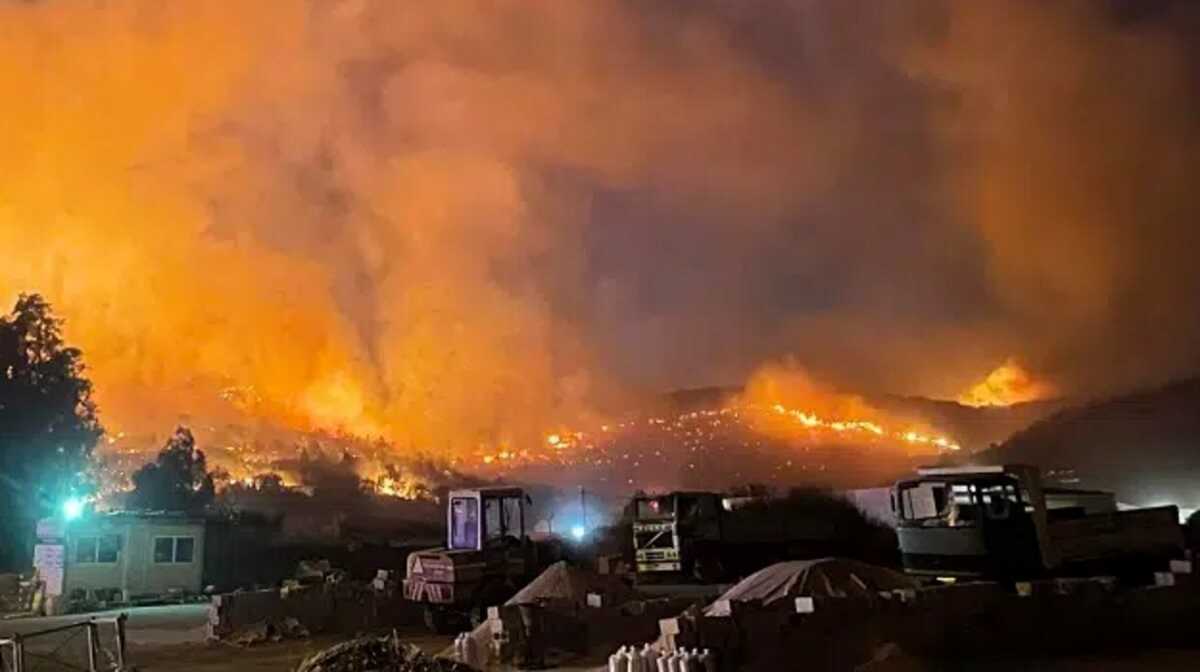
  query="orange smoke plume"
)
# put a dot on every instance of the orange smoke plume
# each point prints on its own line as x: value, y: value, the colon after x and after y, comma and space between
x: 380, y: 218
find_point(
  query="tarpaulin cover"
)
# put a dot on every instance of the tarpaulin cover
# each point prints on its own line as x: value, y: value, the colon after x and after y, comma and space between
x: 562, y: 581
x: 824, y: 577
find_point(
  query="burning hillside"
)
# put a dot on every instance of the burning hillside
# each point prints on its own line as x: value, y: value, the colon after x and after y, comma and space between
x: 770, y: 444
x: 781, y: 428
x: 304, y: 463
x: 719, y: 448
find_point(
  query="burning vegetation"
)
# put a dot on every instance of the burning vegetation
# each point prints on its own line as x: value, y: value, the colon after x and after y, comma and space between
x: 827, y: 438
x: 1008, y: 384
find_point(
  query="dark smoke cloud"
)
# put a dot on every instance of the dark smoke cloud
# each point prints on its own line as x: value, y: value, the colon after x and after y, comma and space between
x: 452, y: 223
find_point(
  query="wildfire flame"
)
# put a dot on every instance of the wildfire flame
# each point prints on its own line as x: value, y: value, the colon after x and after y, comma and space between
x: 1008, y: 384
x: 575, y: 447
x: 286, y: 462
x: 780, y: 401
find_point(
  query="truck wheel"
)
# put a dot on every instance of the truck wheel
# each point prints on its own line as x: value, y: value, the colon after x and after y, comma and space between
x: 440, y: 620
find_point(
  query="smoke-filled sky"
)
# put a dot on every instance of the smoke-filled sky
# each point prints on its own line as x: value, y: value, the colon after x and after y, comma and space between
x: 458, y: 221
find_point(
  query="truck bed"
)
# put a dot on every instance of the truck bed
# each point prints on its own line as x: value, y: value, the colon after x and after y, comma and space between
x: 1152, y: 531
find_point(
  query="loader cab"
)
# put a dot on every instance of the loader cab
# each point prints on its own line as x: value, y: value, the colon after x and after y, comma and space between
x: 486, y: 518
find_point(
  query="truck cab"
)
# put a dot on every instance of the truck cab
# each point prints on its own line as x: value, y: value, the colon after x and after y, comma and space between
x: 671, y: 531
x: 970, y: 522
x: 999, y: 521
x: 486, y: 557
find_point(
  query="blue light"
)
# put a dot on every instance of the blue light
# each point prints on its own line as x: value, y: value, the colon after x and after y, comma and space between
x: 72, y: 508
x: 578, y: 532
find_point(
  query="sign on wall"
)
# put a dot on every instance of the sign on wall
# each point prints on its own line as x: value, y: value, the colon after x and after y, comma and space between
x: 49, y: 529
x: 49, y: 560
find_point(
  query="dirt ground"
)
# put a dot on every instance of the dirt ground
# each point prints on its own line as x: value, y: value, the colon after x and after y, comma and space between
x: 271, y: 657
x: 285, y: 656
x: 1164, y: 660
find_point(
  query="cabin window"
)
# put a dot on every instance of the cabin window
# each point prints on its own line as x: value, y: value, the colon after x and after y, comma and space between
x: 464, y: 522
x: 174, y: 550
x: 953, y: 503
x: 923, y: 501
x: 102, y: 550
x: 999, y: 500
x: 655, y: 507
x: 501, y: 517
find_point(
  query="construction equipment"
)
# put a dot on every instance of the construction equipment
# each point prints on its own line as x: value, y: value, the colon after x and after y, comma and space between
x: 1000, y: 522
x: 707, y: 537
x: 487, y: 557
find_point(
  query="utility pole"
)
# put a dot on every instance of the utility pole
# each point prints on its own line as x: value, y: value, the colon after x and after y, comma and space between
x: 583, y: 509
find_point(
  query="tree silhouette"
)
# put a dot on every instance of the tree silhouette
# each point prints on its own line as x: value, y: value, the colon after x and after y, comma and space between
x: 177, y: 480
x: 48, y: 424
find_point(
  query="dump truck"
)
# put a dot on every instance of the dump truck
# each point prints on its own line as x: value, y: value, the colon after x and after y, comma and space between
x: 708, y: 537
x: 1001, y: 522
x: 487, y: 558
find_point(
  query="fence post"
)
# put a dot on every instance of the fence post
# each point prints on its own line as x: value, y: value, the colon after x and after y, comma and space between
x: 120, y: 633
x: 18, y: 654
x: 90, y: 626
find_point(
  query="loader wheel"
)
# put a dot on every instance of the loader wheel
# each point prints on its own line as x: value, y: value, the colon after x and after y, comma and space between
x: 477, y: 615
x: 439, y: 620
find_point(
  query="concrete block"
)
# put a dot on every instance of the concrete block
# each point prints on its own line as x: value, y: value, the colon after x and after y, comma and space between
x: 805, y: 605
x: 1181, y: 566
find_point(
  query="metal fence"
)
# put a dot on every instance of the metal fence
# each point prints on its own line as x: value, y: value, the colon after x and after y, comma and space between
x: 59, y: 648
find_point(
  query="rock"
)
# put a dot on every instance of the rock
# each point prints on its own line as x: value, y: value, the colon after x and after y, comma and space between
x: 293, y: 629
